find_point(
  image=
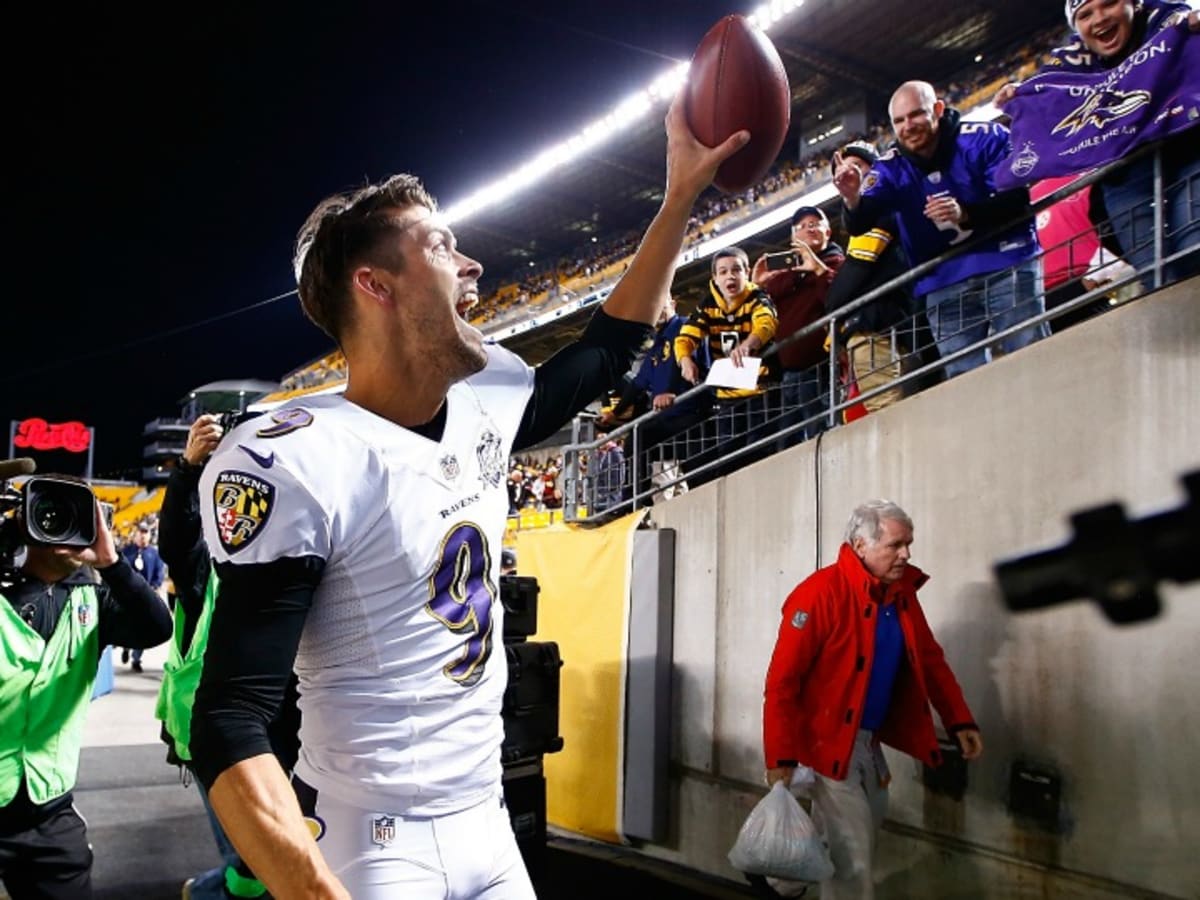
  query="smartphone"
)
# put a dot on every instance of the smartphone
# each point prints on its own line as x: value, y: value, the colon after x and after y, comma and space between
x: 787, y: 260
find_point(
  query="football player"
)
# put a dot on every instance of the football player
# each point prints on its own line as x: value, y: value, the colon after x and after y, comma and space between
x: 357, y: 538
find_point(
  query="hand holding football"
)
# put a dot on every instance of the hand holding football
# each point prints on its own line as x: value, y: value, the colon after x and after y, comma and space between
x: 737, y: 81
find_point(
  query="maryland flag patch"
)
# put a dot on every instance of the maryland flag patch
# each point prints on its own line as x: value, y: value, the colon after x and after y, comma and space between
x: 243, y: 504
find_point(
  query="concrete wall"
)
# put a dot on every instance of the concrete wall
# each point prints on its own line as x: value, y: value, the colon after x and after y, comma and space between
x: 988, y: 465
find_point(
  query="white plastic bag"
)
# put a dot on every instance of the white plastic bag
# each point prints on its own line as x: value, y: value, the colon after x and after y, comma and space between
x: 778, y: 839
x: 803, y: 781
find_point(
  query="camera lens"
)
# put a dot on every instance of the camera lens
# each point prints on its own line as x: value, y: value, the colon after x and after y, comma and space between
x: 55, y: 521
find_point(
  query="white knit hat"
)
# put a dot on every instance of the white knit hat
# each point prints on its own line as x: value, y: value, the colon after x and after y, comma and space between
x: 1073, y: 7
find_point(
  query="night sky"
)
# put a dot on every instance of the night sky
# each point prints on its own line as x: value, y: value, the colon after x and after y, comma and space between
x: 160, y: 164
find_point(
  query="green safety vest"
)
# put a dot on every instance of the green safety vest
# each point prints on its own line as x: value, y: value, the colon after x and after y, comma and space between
x: 45, y: 689
x: 181, y: 673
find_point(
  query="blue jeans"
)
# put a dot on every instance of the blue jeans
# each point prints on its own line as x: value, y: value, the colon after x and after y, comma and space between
x: 803, y: 395
x: 1129, y: 201
x: 965, y: 313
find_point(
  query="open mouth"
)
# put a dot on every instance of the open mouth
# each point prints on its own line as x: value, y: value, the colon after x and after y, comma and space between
x: 465, y: 301
x: 1106, y: 34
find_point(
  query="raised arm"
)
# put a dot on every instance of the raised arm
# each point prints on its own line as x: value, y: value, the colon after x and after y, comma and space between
x: 133, y: 614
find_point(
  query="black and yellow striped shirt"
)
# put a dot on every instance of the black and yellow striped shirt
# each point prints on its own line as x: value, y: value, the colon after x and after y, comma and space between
x: 723, y: 324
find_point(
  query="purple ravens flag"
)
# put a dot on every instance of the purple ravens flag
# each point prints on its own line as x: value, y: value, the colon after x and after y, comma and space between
x: 1067, y: 122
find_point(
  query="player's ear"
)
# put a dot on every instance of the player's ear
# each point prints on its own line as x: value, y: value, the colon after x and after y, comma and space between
x: 366, y: 279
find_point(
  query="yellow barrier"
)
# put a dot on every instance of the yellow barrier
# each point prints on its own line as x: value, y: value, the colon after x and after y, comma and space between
x: 583, y: 603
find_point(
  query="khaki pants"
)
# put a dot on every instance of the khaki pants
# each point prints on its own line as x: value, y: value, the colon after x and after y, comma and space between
x: 874, y: 364
x: 849, y: 813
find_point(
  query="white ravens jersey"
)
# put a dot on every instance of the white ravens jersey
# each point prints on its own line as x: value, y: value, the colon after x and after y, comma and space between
x: 401, y: 664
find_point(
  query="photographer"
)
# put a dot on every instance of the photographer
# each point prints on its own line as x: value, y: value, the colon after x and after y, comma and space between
x: 54, y: 621
x: 797, y: 282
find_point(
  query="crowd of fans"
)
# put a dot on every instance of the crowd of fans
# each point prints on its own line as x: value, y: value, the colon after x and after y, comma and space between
x: 1094, y: 242
x: 533, y: 484
x: 604, y: 259
x: 718, y: 211
x: 538, y: 485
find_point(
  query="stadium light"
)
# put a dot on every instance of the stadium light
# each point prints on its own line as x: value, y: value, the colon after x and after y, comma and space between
x: 592, y: 135
x: 595, y: 133
x: 770, y: 13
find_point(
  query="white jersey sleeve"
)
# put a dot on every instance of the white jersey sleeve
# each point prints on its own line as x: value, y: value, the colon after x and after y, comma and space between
x: 269, y: 491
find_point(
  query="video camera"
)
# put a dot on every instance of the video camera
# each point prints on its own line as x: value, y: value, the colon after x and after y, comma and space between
x: 1112, y: 558
x: 47, y: 511
x: 232, y: 419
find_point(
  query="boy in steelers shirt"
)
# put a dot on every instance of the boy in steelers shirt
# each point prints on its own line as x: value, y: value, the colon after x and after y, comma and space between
x: 357, y: 537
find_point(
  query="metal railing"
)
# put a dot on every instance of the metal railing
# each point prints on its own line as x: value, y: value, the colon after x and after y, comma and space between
x: 596, y: 489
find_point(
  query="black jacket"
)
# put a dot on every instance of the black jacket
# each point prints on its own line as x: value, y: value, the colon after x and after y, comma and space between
x: 872, y: 260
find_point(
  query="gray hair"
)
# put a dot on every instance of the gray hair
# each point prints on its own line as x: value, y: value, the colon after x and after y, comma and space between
x: 866, y: 520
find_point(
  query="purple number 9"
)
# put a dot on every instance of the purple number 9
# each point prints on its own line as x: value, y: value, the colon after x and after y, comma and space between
x: 461, y: 596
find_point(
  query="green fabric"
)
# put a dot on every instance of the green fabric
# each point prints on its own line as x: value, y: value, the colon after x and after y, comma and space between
x: 240, y: 886
x: 45, y: 688
x: 181, y: 673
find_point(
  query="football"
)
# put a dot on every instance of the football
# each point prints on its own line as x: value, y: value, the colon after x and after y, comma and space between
x: 737, y: 81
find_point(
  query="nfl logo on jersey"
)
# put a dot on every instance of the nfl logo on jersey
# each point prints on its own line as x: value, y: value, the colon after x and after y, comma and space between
x: 383, y: 830
x: 450, y: 467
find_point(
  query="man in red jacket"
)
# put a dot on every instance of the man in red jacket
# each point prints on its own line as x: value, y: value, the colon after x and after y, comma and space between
x: 856, y: 665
